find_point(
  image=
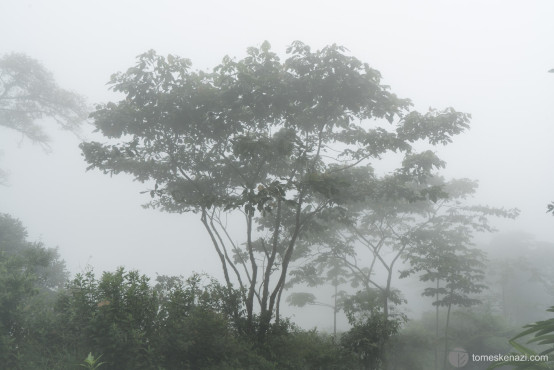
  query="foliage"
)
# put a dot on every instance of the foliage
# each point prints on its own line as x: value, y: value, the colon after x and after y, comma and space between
x: 91, y: 362
x: 115, y: 316
x: 177, y: 324
x: 363, y: 305
x: 459, y: 269
x: 196, y: 323
x: 443, y: 255
x: 542, y: 334
x: 387, y: 227
x: 29, y: 93
x: 29, y: 275
x: 267, y: 139
x: 288, y: 347
x: 190, y: 324
x: 371, y: 328
x: 366, y: 339
x: 432, y: 235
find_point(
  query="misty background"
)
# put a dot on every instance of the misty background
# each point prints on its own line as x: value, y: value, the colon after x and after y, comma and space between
x: 489, y: 59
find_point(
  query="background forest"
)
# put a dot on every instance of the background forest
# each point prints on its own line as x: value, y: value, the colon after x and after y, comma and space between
x: 298, y: 213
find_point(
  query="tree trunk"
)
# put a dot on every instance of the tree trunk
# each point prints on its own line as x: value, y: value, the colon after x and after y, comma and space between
x: 446, y: 335
x: 265, y: 319
x: 221, y: 255
x: 335, y: 314
x: 437, y: 329
x: 252, y: 289
x: 278, y: 306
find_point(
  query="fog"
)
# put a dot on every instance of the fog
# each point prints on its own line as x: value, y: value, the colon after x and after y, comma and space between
x: 489, y: 59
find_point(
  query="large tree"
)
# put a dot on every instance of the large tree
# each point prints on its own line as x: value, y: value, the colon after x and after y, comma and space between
x: 270, y: 140
x: 28, y: 93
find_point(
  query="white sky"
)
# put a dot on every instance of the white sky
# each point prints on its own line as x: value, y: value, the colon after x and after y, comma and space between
x: 488, y: 58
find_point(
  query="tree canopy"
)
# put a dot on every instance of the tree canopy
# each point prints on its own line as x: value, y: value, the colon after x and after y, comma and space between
x: 28, y: 92
x: 277, y: 142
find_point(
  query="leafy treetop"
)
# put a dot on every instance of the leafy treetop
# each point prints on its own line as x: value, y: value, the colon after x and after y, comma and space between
x: 260, y: 135
x: 29, y: 93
